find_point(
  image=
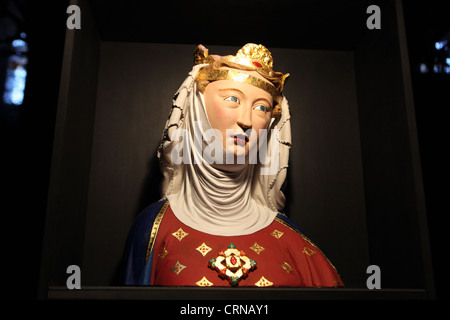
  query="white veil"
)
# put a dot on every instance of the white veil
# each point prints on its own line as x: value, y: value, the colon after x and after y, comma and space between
x: 241, y: 200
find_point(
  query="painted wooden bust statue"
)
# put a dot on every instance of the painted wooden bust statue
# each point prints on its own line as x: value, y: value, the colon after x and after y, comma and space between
x: 224, y: 156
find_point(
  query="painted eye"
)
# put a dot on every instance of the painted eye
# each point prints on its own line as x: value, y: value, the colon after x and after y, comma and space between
x: 260, y: 107
x: 232, y: 98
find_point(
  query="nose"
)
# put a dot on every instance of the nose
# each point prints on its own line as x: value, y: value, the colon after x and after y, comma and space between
x: 245, y: 118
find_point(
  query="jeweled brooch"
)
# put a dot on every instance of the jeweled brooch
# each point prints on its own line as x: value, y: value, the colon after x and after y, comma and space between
x: 232, y: 264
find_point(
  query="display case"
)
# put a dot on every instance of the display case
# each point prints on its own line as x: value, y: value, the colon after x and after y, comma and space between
x: 354, y: 180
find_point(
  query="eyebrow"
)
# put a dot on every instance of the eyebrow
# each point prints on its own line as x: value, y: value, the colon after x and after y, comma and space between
x: 268, y: 102
x: 239, y: 91
x: 232, y: 89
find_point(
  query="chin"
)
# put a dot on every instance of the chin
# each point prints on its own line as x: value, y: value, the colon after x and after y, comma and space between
x: 240, y: 151
x: 237, y: 151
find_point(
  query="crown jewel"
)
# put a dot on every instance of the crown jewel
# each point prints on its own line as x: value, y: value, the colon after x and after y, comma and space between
x: 255, y: 54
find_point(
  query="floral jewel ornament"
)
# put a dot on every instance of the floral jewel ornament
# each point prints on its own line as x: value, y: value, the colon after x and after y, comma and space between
x: 232, y: 264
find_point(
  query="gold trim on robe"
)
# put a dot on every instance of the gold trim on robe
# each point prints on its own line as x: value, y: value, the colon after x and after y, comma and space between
x: 155, y: 228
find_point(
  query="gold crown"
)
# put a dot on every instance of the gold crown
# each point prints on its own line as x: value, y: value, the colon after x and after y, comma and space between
x: 251, y: 57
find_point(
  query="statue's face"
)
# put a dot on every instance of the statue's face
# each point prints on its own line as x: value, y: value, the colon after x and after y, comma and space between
x: 238, y: 107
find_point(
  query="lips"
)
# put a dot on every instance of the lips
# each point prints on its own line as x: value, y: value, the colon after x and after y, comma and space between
x: 241, y: 139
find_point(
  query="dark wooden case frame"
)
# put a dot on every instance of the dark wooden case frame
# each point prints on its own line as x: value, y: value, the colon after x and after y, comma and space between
x: 354, y: 183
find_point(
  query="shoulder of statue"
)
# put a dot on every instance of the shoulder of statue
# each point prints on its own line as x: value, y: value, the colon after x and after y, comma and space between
x: 144, y: 222
x: 287, y: 222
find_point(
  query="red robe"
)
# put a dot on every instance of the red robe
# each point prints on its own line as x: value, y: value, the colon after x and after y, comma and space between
x: 278, y: 255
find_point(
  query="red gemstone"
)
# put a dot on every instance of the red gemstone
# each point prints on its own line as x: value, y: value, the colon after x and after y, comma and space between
x: 257, y: 64
x: 233, y: 260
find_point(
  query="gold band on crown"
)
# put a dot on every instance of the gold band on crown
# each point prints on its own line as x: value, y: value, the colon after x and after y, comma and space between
x: 216, y: 74
x: 251, y: 57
